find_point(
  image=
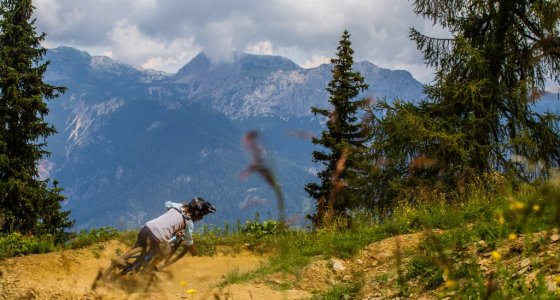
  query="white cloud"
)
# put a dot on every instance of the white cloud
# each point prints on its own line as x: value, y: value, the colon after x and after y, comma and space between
x: 221, y: 38
x: 45, y: 168
x: 165, y: 35
x: 108, y: 54
x: 263, y: 48
x: 131, y: 45
x: 315, y: 61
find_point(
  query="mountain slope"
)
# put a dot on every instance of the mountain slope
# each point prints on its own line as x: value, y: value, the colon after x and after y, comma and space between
x: 130, y: 139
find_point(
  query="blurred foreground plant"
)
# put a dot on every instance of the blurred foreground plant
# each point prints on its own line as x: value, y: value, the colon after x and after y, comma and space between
x: 259, y: 166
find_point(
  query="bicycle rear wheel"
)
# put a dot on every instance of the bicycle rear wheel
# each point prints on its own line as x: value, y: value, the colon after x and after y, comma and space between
x: 127, y: 263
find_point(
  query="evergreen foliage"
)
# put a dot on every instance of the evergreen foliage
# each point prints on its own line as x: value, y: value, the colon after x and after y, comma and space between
x: 27, y: 203
x: 478, y: 116
x: 344, y: 134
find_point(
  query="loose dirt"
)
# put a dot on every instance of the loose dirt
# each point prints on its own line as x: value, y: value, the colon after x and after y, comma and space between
x: 73, y: 274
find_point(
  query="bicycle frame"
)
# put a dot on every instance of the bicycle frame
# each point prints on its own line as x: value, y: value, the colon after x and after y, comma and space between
x: 139, y: 259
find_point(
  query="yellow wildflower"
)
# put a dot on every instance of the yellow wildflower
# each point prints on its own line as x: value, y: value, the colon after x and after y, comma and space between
x: 190, y: 291
x: 501, y: 220
x: 496, y: 255
x: 183, y: 283
x: 512, y: 236
x: 517, y: 205
x: 450, y: 283
x: 536, y: 208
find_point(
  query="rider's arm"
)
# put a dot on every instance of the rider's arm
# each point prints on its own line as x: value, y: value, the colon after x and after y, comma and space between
x: 188, y: 233
x: 188, y: 238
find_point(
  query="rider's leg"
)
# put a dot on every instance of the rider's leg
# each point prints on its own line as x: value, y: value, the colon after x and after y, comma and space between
x: 159, y: 253
x: 148, y: 242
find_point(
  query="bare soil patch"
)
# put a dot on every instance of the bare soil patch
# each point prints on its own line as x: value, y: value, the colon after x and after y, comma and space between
x: 71, y: 274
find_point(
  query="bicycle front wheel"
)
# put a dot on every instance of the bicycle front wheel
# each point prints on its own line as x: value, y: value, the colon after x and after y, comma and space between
x: 174, y: 256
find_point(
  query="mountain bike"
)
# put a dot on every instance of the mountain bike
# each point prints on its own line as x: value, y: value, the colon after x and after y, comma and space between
x: 140, y: 260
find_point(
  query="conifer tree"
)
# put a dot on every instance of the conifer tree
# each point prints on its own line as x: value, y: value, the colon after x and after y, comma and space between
x: 27, y: 203
x: 343, y: 134
x: 478, y: 116
x: 501, y: 56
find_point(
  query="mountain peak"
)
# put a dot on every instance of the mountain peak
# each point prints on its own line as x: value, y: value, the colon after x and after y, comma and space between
x: 199, y: 63
x: 64, y: 53
x: 251, y: 65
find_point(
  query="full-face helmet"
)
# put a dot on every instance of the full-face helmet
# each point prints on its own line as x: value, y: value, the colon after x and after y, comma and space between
x: 198, y: 208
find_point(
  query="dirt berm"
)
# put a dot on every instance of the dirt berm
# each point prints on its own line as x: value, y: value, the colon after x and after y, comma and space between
x: 72, y: 274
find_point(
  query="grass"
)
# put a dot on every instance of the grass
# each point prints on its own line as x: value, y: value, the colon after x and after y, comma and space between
x: 16, y: 244
x: 340, y: 292
x: 89, y: 237
x: 448, y: 259
x: 236, y: 276
x: 446, y: 262
x: 294, y: 249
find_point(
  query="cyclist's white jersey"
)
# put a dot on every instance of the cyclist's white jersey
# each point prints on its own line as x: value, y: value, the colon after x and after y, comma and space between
x: 172, y: 221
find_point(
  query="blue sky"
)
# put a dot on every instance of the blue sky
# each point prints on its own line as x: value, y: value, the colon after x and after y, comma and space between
x: 165, y: 34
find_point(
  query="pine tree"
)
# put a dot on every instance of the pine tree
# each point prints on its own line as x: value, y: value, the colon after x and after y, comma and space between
x: 27, y: 204
x: 343, y: 134
x: 490, y: 73
x: 478, y: 116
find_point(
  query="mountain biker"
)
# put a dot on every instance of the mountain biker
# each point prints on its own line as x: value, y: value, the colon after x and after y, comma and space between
x: 155, y: 236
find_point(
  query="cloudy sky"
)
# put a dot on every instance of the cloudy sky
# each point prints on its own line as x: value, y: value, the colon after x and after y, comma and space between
x: 166, y: 34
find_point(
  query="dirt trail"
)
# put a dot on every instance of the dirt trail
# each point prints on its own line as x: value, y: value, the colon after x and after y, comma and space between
x: 71, y: 274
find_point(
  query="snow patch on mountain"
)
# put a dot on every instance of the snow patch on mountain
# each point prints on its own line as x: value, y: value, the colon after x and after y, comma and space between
x: 149, y: 75
x: 274, y: 95
x: 171, y: 104
x: 119, y: 173
x: 81, y: 121
x: 286, y: 93
x: 204, y: 153
x: 252, y: 201
x: 181, y: 180
x: 153, y: 126
x: 104, y: 62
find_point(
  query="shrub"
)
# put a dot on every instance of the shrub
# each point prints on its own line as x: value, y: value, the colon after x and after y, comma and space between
x: 426, y: 271
x: 259, y: 229
x: 88, y: 237
x: 16, y: 244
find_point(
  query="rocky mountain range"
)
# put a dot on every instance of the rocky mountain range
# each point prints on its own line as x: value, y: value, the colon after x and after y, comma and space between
x: 130, y: 139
